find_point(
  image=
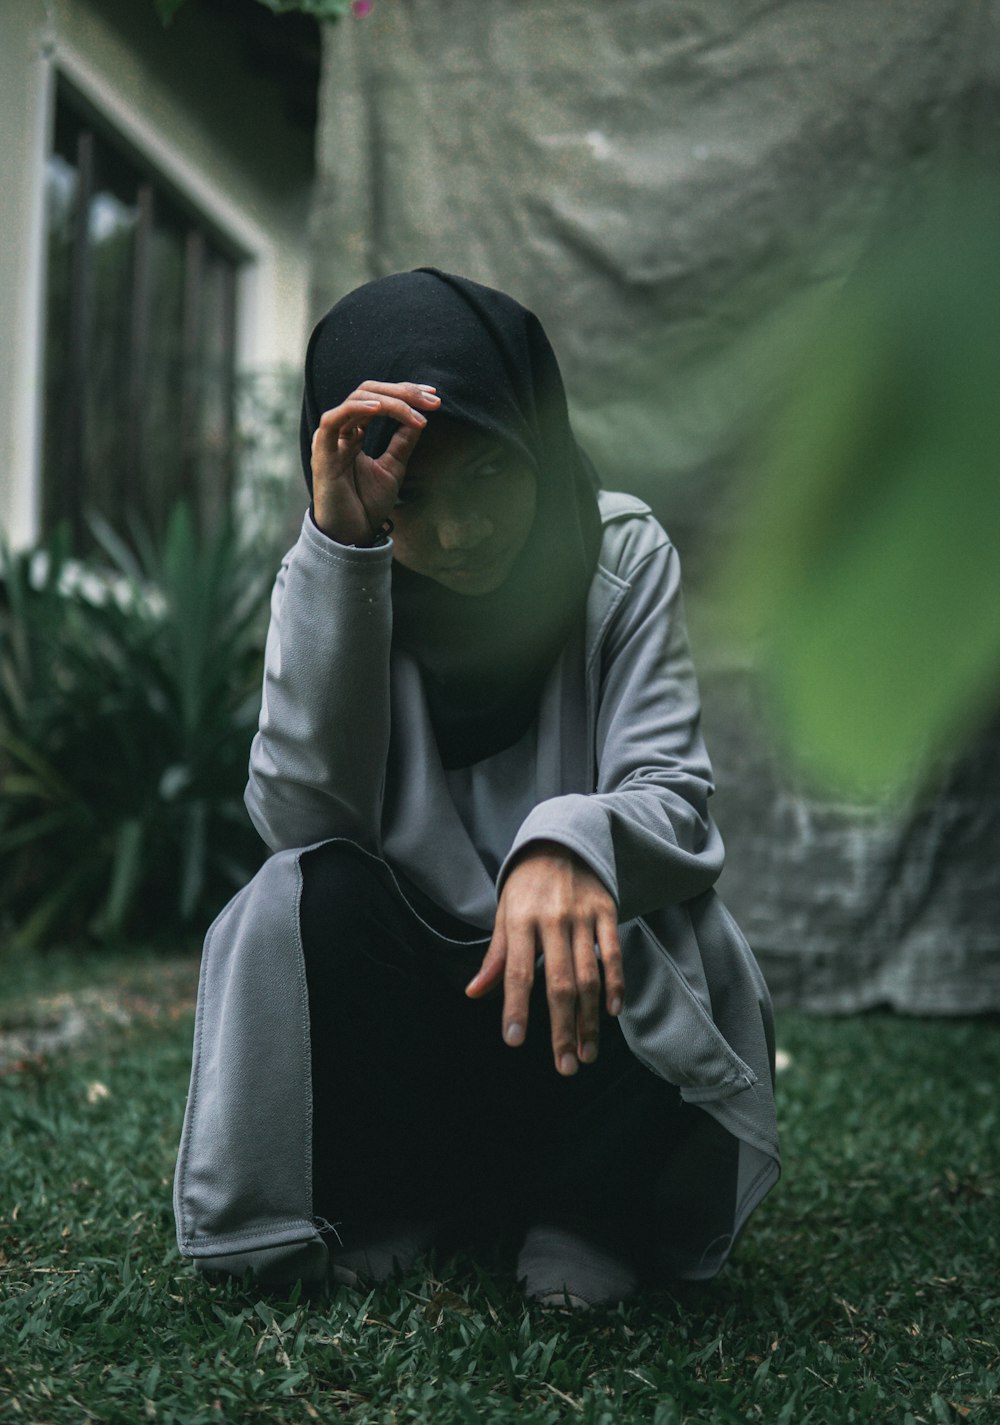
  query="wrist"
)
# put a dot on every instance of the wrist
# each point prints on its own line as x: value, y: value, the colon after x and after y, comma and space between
x: 376, y: 539
x: 551, y: 850
x: 379, y: 538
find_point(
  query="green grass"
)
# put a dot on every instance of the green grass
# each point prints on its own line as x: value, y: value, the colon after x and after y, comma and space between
x: 865, y: 1289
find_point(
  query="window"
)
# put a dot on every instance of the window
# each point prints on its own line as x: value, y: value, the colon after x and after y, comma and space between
x: 139, y: 341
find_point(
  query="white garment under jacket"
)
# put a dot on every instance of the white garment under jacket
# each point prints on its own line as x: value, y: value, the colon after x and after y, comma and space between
x: 346, y: 750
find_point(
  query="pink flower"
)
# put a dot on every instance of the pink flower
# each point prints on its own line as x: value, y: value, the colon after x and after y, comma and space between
x: 361, y: 8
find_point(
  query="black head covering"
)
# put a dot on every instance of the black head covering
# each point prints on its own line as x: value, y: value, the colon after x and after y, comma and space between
x: 483, y: 657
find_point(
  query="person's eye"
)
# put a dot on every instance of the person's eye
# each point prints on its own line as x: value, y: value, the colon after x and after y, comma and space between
x: 492, y: 465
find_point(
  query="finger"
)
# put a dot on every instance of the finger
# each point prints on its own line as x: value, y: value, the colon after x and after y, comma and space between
x: 611, y: 959
x: 338, y: 434
x: 354, y: 411
x: 396, y: 398
x: 588, y: 993
x: 349, y: 437
x: 561, y: 993
x: 332, y: 429
x: 362, y: 408
x: 396, y: 454
x: 413, y: 392
x: 337, y: 442
x: 491, y: 970
x: 519, y: 977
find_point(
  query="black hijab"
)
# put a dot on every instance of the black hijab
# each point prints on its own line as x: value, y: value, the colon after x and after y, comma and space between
x: 483, y: 657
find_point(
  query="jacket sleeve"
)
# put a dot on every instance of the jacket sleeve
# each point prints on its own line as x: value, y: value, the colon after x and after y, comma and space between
x: 645, y: 830
x: 317, y: 763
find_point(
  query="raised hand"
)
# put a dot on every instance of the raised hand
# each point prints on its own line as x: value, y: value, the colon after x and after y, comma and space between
x: 353, y: 494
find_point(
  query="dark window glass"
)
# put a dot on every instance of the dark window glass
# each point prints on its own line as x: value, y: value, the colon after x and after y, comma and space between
x: 139, y: 351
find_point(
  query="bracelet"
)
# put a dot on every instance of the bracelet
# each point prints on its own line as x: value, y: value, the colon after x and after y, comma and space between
x: 380, y: 538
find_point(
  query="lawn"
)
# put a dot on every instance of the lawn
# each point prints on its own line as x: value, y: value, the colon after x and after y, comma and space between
x: 865, y: 1289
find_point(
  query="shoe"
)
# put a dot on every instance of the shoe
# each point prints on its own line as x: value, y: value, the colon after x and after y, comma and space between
x: 576, y: 1266
x: 379, y: 1250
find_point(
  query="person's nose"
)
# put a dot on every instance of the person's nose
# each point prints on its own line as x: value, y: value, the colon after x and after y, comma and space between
x: 463, y: 530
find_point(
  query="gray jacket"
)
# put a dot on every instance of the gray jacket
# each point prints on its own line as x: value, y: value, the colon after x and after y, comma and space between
x: 345, y: 750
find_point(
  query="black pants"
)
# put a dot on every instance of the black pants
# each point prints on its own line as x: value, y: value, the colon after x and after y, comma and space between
x: 419, y: 1108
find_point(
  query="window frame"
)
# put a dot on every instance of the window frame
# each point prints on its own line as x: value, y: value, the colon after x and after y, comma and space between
x: 262, y: 276
x: 135, y: 483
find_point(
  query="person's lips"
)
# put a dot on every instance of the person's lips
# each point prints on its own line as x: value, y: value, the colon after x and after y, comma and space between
x: 481, y: 565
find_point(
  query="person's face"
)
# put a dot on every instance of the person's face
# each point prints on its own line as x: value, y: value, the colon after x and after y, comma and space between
x: 465, y: 509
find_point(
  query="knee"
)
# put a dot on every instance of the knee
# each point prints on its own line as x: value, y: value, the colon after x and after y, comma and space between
x: 334, y: 871
x: 340, y: 866
x: 340, y: 885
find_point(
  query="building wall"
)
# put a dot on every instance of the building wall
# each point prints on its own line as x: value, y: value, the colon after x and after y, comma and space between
x: 214, y: 130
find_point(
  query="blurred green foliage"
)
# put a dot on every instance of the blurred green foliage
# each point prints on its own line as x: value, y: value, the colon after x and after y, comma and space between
x: 128, y: 700
x: 868, y: 557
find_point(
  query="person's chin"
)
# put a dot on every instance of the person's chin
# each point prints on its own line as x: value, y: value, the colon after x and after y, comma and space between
x: 476, y: 578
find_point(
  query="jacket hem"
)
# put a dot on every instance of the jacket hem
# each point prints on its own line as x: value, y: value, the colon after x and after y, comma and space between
x: 250, y: 1239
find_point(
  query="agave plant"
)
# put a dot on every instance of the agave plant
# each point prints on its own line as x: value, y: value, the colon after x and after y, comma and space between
x: 128, y: 698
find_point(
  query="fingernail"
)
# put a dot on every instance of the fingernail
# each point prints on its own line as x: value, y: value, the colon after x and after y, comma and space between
x: 514, y: 1033
x: 588, y: 1052
x: 431, y: 396
x: 422, y: 419
x: 616, y: 1007
x: 423, y: 386
x: 568, y: 1064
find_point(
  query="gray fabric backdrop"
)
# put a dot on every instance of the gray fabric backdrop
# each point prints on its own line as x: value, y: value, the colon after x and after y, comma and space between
x: 656, y: 180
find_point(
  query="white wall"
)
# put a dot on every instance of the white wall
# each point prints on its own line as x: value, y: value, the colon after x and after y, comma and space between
x: 243, y: 167
x: 23, y: 123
